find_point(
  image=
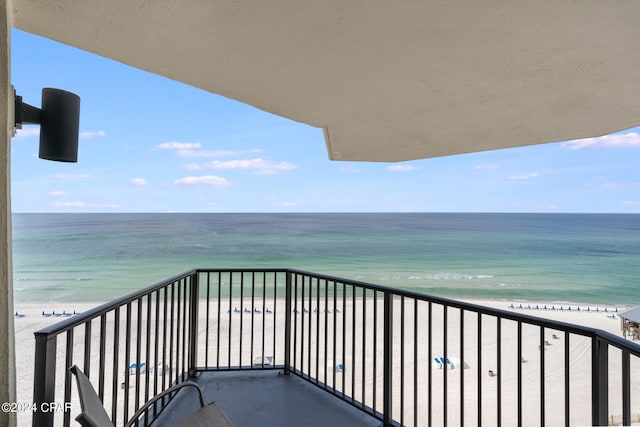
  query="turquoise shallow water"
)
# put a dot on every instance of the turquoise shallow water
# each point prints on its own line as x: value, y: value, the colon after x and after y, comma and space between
x: 551, y: 257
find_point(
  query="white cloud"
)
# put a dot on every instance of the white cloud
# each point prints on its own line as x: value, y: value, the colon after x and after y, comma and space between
x: 89, y: 134
x: 174, y: 145
x: 71, y: 176
x: 631, y: 139
x: 260, y: 166
x: 56, y: 193
x: 138, y: 182
x: 211, y: 180
x: 401, y: 168
x: 630, y: 203
x: 213, y: 153
x: 193, y: 149
x: 289, y: 204
x: 523, y: 177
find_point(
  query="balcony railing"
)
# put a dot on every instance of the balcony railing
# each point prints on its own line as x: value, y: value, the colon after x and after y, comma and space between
x: 402, y: 357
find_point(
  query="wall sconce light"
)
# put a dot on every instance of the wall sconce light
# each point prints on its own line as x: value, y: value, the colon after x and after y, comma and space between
x: 59, y: 120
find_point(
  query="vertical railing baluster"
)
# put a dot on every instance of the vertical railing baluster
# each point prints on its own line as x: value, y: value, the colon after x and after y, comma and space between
x: 194, y: 304
x: 310, y: 341
x: 375, y: 350
x: 102, y: 355
x: 264, y: 311
x: 344, y: 338
x: 180, y: 322
x: 519, y: 373
x: 127, y: 361
x: 317, y: 310
x: 165, y: 313
x: 87, y: 348
x: 499, y: 364
x: 151, y: 369
x: 479, y: 350
x: 542, y: 376
x: 67, y: 375
x: 116, y: 355
x: 171, y: 333
x: 599, y: 381
x: 231, y: 310
x: 353, y: 343
x: 415, y: 362
x: 275, y: 314
x: 253, y: 310
x: 156, y: 344
x: 402, y: 360
x: 335, y: 334
x: 241, y: 318
x: 626, y: 388
x: 178, y: 329
x: 206, y: 322
x: 287, y: 325
x: 44, y: 384
x: 429, y: 365
x: 295, y: 320
x: 184, y: 356
x: 567, y: 388
x: 326, y: 330
x: 138, y: 349
x: 461, y: 367
x: 219, y: 317
x: 445, y: 382
x: 186, y: 319
x: 388, y: 360
x: 302, y: 330
x: 364, y: 346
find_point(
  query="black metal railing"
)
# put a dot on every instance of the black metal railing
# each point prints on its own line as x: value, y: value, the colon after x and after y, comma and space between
x: 402, y: 357
x: 131, y: 348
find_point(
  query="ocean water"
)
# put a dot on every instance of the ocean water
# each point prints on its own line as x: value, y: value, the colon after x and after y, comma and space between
x: 591, y: 258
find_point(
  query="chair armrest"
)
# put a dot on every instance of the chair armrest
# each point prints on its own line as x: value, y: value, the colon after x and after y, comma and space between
x: 134, y: 417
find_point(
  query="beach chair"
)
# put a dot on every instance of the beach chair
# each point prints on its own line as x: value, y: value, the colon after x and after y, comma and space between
x: 93, y: 413
x: 438, y: 363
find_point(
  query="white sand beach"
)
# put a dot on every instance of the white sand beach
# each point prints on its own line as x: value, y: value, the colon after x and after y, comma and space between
x: 31, y: 320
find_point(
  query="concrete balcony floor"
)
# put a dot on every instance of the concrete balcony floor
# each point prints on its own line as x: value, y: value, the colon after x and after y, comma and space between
x: 265, y: 398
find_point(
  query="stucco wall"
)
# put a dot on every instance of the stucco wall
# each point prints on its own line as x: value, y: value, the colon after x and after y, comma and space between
x: 7, y: 352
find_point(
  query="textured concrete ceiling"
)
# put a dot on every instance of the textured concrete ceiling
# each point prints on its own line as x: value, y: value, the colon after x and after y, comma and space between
x: 386, y: 80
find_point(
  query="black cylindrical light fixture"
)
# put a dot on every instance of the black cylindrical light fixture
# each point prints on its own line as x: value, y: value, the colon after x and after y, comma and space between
x: 60, y: 124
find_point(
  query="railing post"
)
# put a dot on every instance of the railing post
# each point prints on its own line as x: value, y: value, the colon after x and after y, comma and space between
x: 626, y: 388
x: 44, y: 381
x: 599, y: 382
x: 287, y: 324
x: 194, y: 299
x: 388, y: 359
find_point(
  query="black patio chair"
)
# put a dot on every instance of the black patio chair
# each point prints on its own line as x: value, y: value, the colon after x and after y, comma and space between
x: 93, y: 413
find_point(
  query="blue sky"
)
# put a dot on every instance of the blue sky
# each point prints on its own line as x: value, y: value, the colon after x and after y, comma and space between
x: 149, y: 144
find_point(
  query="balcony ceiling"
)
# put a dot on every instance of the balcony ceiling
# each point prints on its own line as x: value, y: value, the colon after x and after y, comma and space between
x: 387, y: 81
